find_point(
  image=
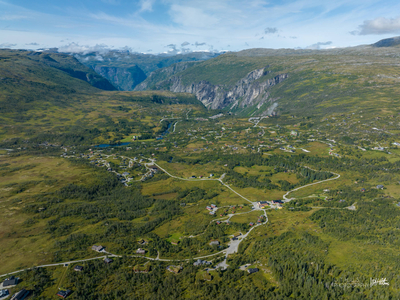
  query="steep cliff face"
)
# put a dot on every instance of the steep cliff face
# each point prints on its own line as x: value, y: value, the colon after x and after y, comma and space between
x: 162, y: 74
x: 248, y: 91
x: 124, y: 79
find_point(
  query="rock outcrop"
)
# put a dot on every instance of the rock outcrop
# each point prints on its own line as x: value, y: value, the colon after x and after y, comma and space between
x: 158, y: 76
x: 248, y: 91
x: 124, y: 79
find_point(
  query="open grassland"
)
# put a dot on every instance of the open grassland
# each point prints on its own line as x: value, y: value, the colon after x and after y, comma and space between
x: 290, y: 177
x: 246, y: 218
x: 25, y: 175
x: 348, y: 254
x: 254, y: 194
x: 186, y: 171
x: 24, y: 242
x: 173, y: 183
x: 254, y: 170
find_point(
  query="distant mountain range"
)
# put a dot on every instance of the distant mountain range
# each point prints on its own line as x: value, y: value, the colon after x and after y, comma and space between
x: 261, y: 81
x: 126, y: 70
x: 254, y: 82
x: 390, y: 42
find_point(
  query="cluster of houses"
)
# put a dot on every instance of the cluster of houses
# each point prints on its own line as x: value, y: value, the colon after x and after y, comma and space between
x: 152, y: 170
x: 9, y: 283
x: 260, y: 219
x: 288, y: 149
x: 201, y: 176
x: 273, y: 203
x: 212, y: 209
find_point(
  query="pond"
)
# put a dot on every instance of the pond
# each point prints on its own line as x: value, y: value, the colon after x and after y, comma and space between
x: 111, y: 145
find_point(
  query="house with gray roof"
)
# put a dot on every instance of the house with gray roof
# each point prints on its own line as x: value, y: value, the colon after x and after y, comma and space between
x: 212, y: 243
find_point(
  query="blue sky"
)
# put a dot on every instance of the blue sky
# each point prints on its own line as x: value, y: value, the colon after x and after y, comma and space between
x: 154, y: 26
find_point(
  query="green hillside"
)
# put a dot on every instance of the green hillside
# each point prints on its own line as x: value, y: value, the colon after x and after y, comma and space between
x: 50, y: 98
x: 203, y: 203
x: 318, y: 81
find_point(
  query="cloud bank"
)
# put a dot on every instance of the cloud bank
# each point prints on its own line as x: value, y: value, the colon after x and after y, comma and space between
x: 379, y: 25
x: 317, y: 46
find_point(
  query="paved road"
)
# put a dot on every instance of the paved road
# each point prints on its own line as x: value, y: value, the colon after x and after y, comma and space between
x: 187, y: 114
x: 201, y: 179
x: 233, y: 245
x: 310, y: 184
x: 61, y: 264
x: 175, y: 126
x: 232, y: 249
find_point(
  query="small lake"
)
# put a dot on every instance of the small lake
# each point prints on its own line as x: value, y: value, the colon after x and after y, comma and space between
x: 111, y: 145
x: 162, y: 135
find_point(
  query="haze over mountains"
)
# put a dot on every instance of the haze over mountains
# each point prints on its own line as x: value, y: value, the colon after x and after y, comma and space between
x: 126, y: 70
x: 130, y: 150
x: 249, y: 82
x: 257, y: 81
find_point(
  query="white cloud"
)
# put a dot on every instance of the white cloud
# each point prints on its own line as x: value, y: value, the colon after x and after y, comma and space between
x: 270, y: 30
x: 76, y: 48
x: 151, y: 24
x: 197, y: 44
x: 7, y: 45
x: 192, y: 17
x: 146, y: 5
x: 379, y: 25
x: 318, y: 45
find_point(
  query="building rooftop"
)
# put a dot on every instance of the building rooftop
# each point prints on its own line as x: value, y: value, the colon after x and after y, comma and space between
x: 252, y: 270
x: 64, y: 294
x: 10, y: 281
